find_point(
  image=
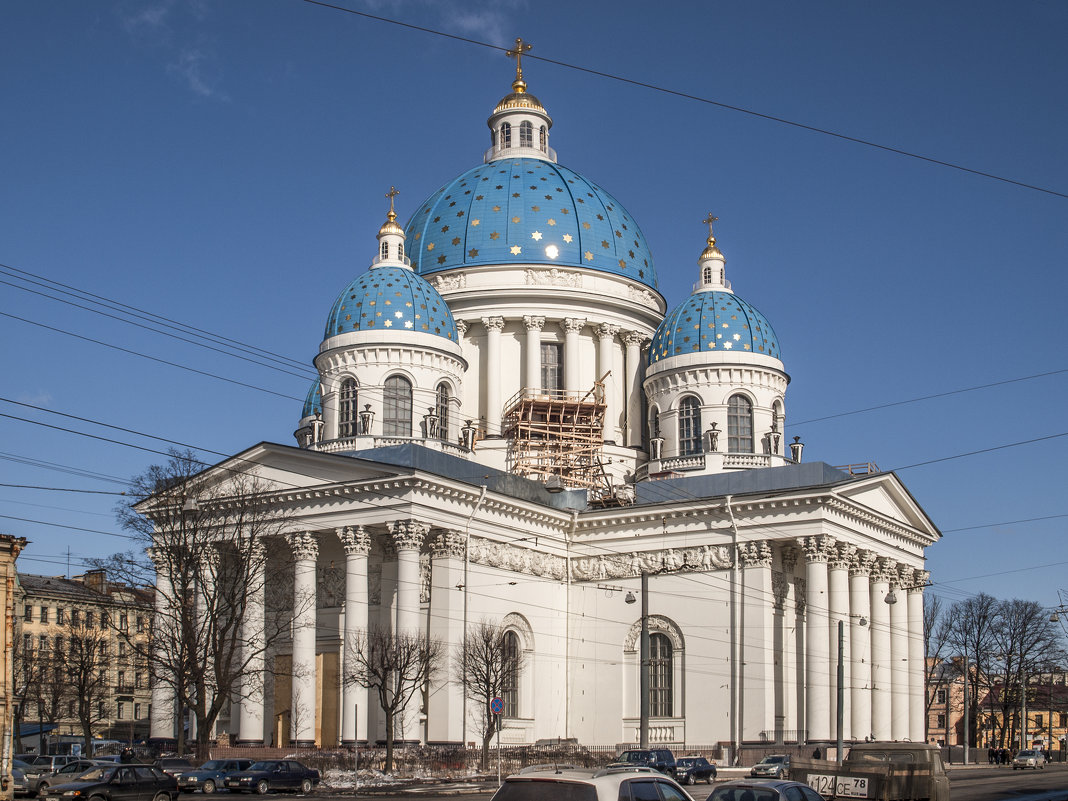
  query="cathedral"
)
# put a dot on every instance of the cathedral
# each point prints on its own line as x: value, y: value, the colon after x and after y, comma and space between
x: 512, y: 424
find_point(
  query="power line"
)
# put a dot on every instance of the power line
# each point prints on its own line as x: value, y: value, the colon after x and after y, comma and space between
x: 61, y: 489
x: 700, y: 99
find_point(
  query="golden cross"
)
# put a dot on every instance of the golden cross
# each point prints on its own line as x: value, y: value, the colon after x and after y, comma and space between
x: 392, y: 193
x: 521, y: 47
x: 708, y: 221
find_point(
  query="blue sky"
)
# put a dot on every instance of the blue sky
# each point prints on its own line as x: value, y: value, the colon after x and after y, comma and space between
x: 224, y: 165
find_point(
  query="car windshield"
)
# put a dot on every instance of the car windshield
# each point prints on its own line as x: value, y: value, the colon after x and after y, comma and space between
x: 743, y: 794
x: 98, y: 774
x: 263, y: 766
x: 538, y: 790
x: 213, y: 764
x: 1026, y: 753
x: 773, y: 760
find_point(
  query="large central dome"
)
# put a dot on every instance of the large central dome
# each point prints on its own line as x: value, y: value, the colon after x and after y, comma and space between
x: 527, y: 211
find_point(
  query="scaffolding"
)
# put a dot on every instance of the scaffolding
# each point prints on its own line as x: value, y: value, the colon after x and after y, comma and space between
x: 557, y: 437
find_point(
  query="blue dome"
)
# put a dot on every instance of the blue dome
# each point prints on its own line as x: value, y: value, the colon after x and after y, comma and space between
x: 314, y: 402
x: 394, y: 299
x: 713, y: 321
x: 527, y: 211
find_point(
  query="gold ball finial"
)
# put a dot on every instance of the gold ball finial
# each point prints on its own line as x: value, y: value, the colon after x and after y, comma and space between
x: 711, y: 251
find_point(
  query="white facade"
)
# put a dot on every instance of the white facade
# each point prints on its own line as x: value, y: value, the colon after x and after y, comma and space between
x: 754, y: 558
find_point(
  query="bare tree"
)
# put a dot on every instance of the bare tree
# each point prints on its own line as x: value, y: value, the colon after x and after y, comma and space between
x: 488, y: 667
x: 34, y: 670
x: 972, y: 625
x: 205, y: 533
x: 85, y: 663
x: 936, y: 633
x: 396, y: 667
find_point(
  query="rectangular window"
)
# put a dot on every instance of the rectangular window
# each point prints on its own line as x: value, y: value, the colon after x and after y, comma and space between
x: 124, y: 622
x: 60, y: 615
x: 122, y: 682
x: 397, y: 407
x: 941, y: 722
x: 139, y: 681
x: 1038, y: 721
x: 137, y: 712
x: 44, y: 614
x: 552, y: 365
x: 90, y: 620
x: 940, y: 696
x: 27, y: 613
x: 27, y: 645
x: 75, y: 617
x: 122, y: 648
x: 1064, y: 720
x: 120, y: 710
x: 140, y: 625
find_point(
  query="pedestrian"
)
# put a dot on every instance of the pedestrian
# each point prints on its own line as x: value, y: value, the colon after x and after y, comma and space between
x: 817, y: 754
x: 990, y: 755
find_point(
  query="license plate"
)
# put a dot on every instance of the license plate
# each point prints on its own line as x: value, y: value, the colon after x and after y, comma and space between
x: 831, y: 786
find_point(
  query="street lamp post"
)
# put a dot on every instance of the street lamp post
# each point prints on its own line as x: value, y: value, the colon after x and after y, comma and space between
x: 643, y: 664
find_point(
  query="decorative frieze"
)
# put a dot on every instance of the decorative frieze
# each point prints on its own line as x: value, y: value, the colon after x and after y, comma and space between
x: 461, y: 327
x: 641, y: 295
x: 800, y: 595
x: 884, y: 571
x: 920, y: 579
x: 627, y: 565
x: 520, y: 560
x: 780, y: 587
x: 790, y: 555
x: 330, y: 587
x: 606, y: 331
x: 553, y: 277
x: 424, y: 578
x: 448, y: 283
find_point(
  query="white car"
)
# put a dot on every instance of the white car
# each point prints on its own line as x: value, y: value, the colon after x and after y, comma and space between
x: 1029, y: 759
x: 560, y: 783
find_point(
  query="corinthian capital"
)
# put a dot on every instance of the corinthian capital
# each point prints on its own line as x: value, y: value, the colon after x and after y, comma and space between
x: 447, y: 542
x: 533, y: 323
x: 408, y: 535
x: 304, y: 545
x: 842, y: 555
x: 755, y: 554
x: 493, y: 323
x: 355, y: 540
x: 606, y: 331
x: 818, y: 548
x: 572, y: 325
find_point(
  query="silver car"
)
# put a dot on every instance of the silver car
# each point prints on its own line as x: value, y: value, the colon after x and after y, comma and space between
x: 773, y: 766
x: 1029, y: 759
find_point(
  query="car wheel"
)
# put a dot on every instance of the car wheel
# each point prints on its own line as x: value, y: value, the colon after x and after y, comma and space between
x: 262, y: 787
x: 41, y: 788
x: 209, y: 785
x: 161, y: 797
x: 690, y: 779
x: 306, y: 786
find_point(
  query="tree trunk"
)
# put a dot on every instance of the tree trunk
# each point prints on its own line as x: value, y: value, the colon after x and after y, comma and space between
x: 487, y: 738
x: 389, y: 741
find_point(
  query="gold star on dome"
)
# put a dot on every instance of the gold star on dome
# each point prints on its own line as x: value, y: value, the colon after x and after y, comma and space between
x: 552, y: 221
x: 456, y: 240
x: 495, y: 236
x: 568, y: 238
x: 604, y: 243
x: 429, y: 245
x: 515, y: 220
x: 535, y: 208
x: 536, y: 236
x: 475, y: 222
x: 516, y: 250
x: 589, y: 255
x: 496, y: 208
x: 441, y: 259
x: 473, y: 253
x: 388, y: 323
x: 586, y: 225
x: 444, y: 229
x: 407, y: 323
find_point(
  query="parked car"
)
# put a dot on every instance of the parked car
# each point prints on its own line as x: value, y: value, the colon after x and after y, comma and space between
x: 763, y: 790
x: 614, y: 782
x: 775, y: 766
x: 1029, y: 759
x: 49, y: 762
x: 660, y: 759
x: 174, y: 766
x: 67, y: 773
x: 273, y: 774
x: 691, y: 769
x: 20, y: 785
x: 117, y: 783
x: 211, y: 776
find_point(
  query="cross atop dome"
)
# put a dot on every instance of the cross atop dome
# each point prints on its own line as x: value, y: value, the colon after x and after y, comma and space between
x: 391, y: 237
x: 519, y: 124
x: 713, y: 265
x: 521, y: 47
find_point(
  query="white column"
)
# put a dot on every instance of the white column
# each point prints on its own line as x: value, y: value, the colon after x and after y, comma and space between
x: 756, y: 672
x: 838, y: 594
x: 817, y: 640
x: 355, y: 700
x: 572, y: 376
x: 917, y: 666
x: 408, y: 536
x: 899, y: 656
x: 445, y: 715
x: 633, y: 394
x: 880, y: 649
x: 494, y: 401
x: 533, y: 348
x: 606, y: 340
x: 790, y: 711
x: 250, y: 723
x: 161, y: 723
x: 860, y: 642
x: 302, y: 704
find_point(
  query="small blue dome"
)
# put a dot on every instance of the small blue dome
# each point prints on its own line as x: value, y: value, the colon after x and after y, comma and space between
x: 713, y: 321
x: 393, y: 299
x: 314, y: 402
x: 527, y: 211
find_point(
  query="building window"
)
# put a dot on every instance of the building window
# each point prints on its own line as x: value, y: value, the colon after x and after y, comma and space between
x: 124, y: 622
x: 739, y: 424
x: 400, y: 251
x: 510, y: 678
x: 27, y: 646
x: 105, y: 620
x: 137, y: 712
x: 60, y: 616
x: 384, y: 250
x: 89, y: 620
x: 1038, y: 721
x: 660, y: 676
x: 347, y: 411
x: 140, y: 625
x: 120, y: 708
x: 59, y: 646
x: 526, y: 134
x: 689, y: 427
x: 397, y: 407
x: 941, y: 722
x: 552, y: 365
x: 1064, y: 720
x: 122, y: 648
x: 441, y: 409
x: 121, y: 681
x: 506, y: 135
x: 75, y: 617
x: 42, y: 643
x: 27, y: 613
x: 544, y: 137
x: 44, y: 614
x: 940, y: 696
x: 139, y: 681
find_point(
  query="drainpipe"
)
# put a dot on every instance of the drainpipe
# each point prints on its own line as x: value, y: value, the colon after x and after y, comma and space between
x: 567, y: 628
x: 736, y: 671
x: 467, y: 562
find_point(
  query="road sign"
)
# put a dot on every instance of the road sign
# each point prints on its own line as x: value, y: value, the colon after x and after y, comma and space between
x: 496, y: 706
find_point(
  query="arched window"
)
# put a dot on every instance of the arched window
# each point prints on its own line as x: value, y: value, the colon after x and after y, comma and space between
x: 739, y: 424
x: 441, y: 409
x: 544, y: 139
x: 706, y: 275
x: 654, y: 421
x: 400, y: 251
x: 661, y: 677
x: 397, y: 407
x: 526, y: 134
x: 347, y: 409
x: 510, y: 651
x: 506, y: 134
x: 384, y: 250
x: 689, y: 427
